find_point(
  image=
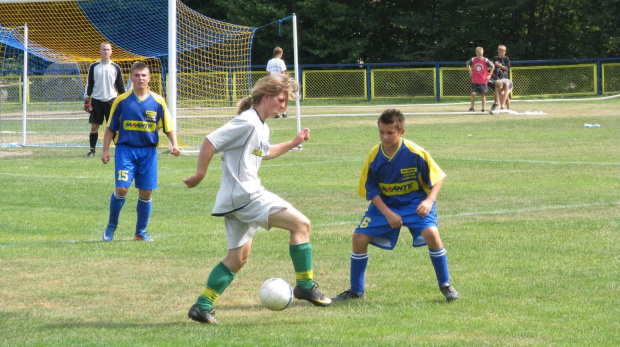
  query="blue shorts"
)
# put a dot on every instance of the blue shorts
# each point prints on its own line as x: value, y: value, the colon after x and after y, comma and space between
x: 136, y: 162
x: 376, y: 225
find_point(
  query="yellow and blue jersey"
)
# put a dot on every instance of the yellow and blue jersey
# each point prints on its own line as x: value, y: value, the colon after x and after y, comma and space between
x: 137, y: 122
x: 405, y: 177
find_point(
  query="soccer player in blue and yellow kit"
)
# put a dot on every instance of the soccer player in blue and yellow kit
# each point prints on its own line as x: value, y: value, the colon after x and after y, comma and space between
x: 136, y: 117
x: 402, y: 181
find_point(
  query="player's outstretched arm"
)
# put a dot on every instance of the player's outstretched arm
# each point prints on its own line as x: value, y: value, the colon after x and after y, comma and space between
x: 204, y: 158
x: 283, y: 147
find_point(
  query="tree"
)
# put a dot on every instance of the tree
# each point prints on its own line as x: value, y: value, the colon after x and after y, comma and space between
x: 347, y: 31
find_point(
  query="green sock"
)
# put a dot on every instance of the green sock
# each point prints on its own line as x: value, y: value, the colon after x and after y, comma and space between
x: 219, y: 279
x: 302, y: 262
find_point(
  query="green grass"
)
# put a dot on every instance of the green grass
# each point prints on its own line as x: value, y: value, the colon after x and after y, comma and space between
x: 529, y: 214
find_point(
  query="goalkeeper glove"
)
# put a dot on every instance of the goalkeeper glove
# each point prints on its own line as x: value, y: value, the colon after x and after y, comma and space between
x: 87, y: 106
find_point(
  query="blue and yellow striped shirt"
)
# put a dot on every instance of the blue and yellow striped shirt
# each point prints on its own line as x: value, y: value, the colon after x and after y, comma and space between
x: 406, y: 176
x: 137, y: 122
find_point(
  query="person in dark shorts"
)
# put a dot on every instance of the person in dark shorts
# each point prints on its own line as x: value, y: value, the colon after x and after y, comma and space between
x: 103, y: 84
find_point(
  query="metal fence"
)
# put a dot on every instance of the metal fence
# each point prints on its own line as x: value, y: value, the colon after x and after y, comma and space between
x: 441, y: 80
x: 54, y: 100
x: 541, y: 78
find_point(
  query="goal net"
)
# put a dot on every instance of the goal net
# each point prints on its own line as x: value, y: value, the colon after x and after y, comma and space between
x: 63, y: 38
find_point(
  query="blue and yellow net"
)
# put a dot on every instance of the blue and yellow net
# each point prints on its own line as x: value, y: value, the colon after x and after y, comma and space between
x: 213, y: 63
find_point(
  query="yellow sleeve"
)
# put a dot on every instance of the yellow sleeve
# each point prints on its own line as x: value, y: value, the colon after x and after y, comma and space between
x: 166, y: 121
x: 361, y: 186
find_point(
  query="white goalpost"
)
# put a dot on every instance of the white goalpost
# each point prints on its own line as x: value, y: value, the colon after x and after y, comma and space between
x: 25, y: 85
x: 172, y: 60
x: 296, y: 66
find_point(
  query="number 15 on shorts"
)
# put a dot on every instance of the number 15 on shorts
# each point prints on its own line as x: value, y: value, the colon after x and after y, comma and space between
x: 122, y: 175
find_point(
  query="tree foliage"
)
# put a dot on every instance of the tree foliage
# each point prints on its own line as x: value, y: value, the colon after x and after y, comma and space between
x: 373, y: 31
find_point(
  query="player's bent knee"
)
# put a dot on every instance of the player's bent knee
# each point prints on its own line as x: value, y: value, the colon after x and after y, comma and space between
x: 360, y: 243
x: 122, y: 191
x: 303, y: 225
x: 432, y: 238
x: 300, y: 232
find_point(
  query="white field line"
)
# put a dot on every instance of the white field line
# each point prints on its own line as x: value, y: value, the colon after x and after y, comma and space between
x: 529, y: 209
x: 63, y: 178
x: 494, y: 213
x: 410, y: 105
x: 418, y: 114
x: 439, y: 158
x: 340, y: 160
x: 543, y: 162
x: 464, y: 103
x: 56, y: 242
x: 353, y: 223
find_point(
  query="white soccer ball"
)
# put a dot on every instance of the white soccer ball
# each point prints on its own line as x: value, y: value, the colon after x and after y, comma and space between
x: 276, y: 294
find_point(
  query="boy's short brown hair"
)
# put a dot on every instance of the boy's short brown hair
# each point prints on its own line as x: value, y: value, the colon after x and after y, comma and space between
x: 139, y: 65
x: 392, y: 116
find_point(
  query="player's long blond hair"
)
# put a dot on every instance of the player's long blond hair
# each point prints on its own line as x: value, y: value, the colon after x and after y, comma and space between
x: 269, y: 85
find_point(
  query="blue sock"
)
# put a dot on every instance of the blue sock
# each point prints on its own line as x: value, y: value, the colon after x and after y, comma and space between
x: 143, y: 208
x: 359, y: 262
x: 116, y: 205
x: 440, y: 263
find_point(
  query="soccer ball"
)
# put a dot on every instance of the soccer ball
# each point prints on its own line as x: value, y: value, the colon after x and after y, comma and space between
x: 276, y: 294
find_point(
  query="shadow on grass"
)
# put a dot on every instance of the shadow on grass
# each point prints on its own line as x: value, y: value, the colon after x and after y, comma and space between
x: 70, y: 242
x: 111, y: 325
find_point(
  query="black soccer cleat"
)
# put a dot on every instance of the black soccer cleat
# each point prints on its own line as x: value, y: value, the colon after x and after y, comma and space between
x: 313, y: 296
x: 90, y: 154
x: 471, y: 110
x: 202, y: 316
x: 449, y: 292
x: 349, y: 295
x: 493, y: 107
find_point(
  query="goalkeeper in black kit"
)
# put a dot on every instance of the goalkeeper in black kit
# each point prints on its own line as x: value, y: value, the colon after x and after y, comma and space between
x: 104, y: 84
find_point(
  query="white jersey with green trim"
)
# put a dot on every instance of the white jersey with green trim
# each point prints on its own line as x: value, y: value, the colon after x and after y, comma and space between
x: 242, y: 142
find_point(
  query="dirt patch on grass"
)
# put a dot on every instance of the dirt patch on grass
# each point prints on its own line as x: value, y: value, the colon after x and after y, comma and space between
x: 4, y: 154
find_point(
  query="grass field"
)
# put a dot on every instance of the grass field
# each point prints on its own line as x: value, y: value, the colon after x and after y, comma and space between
x: 529, y: 214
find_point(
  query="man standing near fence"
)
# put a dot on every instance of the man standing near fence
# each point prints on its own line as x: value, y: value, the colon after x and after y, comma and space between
x: 277, y: 67
x: 104, y: 83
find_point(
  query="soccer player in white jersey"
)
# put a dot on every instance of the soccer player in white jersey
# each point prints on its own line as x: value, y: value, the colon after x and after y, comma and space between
x: 276, y: 67
x: 402, y: 182
x: 103, y: 84
x: 136, y: 118
x: 244, y: 203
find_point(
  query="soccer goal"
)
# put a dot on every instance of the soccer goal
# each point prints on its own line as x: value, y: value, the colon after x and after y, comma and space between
x: 201, y: 65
